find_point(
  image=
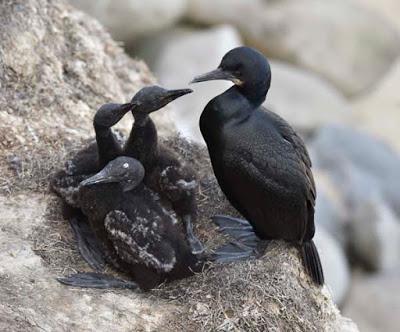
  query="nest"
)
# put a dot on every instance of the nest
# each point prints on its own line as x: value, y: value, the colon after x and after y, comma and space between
x: 267, y: 294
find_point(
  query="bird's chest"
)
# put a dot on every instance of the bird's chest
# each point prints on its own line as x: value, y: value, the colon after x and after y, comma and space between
x: 239, y: 141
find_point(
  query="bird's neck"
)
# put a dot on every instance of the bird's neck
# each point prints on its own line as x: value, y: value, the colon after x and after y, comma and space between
x: 107, y: 146
x: 142, y: 143
x: 255, y: 91
x: 228, y: 107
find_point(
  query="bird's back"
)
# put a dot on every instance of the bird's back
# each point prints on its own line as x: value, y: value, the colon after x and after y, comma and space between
x: 265, y: 174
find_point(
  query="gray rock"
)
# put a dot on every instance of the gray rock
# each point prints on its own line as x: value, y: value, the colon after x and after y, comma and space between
x: 374, y: 302
x: 361, y: 167
x: 335, y: 265
x: 129, y: 19
x: 374, y: 234
x: 179, y: 55
x: 304, y: 99
x: 330, y: 211
x: 350, y: 153
x: 342, y: 41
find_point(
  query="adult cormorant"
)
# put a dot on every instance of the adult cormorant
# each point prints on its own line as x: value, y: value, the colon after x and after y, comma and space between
x: 135, y: 233
x: 260, y: 162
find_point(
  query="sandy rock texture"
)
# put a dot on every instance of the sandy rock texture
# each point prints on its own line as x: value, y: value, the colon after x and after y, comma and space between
x: 57, y: 66
x: 342, y: 41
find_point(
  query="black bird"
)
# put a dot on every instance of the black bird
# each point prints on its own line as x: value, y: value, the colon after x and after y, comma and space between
x: 260, y: 162
x: 165, y: 174
x: 135, y: 233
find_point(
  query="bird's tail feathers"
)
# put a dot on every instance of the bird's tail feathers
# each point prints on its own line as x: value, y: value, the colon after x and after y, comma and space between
x: 312, y: 262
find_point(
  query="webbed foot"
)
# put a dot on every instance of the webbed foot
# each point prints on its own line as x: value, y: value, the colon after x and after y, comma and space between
x: 245, y: 244
x: 195, y: 245
x: 87, y: 244
x: 96, y: 280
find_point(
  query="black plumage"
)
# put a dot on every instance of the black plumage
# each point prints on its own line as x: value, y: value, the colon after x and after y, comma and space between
x: 142, y: 142
x: 260, y: 162
x: 165, y: 173
x: 135, y: 233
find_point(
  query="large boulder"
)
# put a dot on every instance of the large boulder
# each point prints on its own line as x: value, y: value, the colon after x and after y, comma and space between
x: 129, y: 19
x: 57, y: 66
x: 340, y: 40
x: 363, y: 170
x: 343, y: 150
x: 374, y: 234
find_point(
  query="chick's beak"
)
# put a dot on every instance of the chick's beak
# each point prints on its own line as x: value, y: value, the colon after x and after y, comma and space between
x: 174, y: 94
x: 101, y: 177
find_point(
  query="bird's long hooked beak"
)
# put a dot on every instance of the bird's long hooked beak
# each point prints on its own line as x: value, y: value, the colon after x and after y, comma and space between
x: 101, y: 177
x: 217, y: 74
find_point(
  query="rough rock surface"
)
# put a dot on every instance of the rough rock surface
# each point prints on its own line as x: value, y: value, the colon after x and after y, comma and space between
x: 129, y: 19
x: 341, y: 40
x: 57, y: 66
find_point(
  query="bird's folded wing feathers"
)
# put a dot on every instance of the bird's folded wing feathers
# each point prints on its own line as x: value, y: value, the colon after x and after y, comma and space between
x: 137, y: 242
x: 299, y: 148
